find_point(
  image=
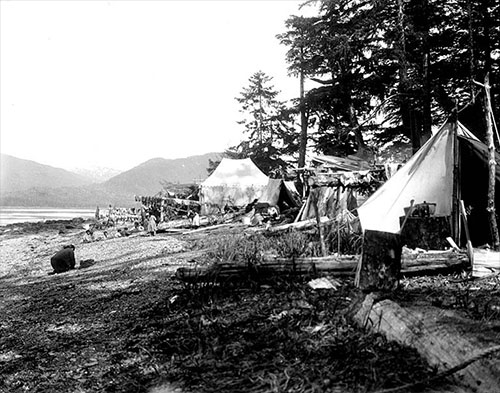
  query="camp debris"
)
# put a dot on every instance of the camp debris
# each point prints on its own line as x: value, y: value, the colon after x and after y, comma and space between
x: 324, y: 283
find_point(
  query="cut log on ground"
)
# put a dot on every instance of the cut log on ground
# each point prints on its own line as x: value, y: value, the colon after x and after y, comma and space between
x: 441, y: 337
x: 433, y: 262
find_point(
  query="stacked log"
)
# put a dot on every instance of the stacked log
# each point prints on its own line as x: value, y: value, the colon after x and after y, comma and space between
x: 336, y: 265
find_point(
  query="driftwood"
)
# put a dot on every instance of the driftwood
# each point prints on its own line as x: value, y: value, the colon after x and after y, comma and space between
x: 446, y: 341
x: 344, y: 265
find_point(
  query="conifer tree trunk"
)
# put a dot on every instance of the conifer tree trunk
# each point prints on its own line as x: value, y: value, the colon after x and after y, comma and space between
x: 303, y: 120
x: 491, y: 168
x: 472, y: 63
x: 427, y: 94
x: 426, y: 101
x: 490, y: 142
x: 362, y: 149
x: 403, y: 87
x: 425, y: 131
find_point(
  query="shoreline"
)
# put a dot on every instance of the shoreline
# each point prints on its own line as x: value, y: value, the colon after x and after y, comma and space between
x: 61, y: 225
x: 11, y: 216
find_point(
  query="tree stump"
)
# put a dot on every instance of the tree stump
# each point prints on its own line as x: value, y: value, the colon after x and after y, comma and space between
x: 380, y: 263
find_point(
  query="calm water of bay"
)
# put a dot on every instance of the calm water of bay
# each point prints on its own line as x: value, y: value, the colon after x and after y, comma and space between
x: 13, y: 215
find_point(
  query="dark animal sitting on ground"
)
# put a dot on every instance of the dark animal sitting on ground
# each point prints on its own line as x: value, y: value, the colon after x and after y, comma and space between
x: 63, y: 260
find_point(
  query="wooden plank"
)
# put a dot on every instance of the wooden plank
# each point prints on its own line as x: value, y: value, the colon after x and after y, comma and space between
x: 452, y: 259
x: 486, y: 263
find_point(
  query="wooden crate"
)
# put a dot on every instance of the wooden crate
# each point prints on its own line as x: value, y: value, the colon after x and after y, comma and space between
x: 429, y: 233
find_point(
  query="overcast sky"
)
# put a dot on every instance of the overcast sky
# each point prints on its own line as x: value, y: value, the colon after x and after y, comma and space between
x: 115, y: 83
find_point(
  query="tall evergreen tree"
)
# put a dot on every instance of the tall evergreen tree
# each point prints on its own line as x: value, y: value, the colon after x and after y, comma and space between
x: 302, y: 58
x: 418, y: 57
x: 268, y: 126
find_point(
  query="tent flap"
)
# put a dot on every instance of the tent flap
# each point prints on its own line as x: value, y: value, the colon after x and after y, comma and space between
x: 426, y: 177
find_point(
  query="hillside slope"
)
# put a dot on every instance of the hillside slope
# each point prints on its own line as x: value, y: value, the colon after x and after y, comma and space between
x: 147, y: 178
x: 17, y: 174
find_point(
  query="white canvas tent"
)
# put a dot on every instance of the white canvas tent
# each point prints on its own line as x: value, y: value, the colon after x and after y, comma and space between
x: 428, y: 177
x: 233, y: 183
x: 281, y: 193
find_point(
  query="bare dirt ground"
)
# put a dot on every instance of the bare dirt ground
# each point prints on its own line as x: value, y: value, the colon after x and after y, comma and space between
x: 66, y: 332
x: 125, y: 324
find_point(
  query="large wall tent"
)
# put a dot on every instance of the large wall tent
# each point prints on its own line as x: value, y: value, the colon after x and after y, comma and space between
x: 452, y: 153
x: 233, y: 183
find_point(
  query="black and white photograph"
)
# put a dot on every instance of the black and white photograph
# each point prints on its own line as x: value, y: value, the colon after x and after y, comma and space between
x: 249, y: 196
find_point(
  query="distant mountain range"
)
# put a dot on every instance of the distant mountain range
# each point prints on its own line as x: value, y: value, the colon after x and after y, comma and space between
x: 97, y: 174
x: 17, y: 174
x: 147, y: 178
x: 28, y: 183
